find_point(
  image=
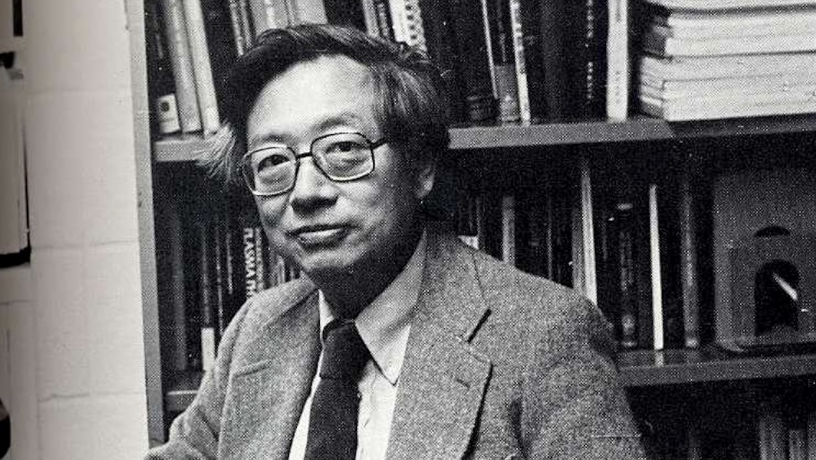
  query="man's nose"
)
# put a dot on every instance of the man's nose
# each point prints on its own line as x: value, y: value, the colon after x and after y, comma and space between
x: 312, y: 187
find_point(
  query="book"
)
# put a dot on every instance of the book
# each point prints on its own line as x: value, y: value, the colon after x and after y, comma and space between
x: 533, y: 58
x: 396, y: 11
x: 161, y: 87
x: 588, y: 233
x: 182, y: 64
x: 247, y: 28
x: 617, y: 60
x: 678, y: 89
x: 369, y: 12
x: 656, y: 41
x: 738, y: 27
x: 414, y: 25
x: 688, y: 260
x: 202, y: 68
x: 520, y: 59
x: 220, y: 43
x: 237, y: 27
x: 811, y: 435
x: 553, y: 57
x: 657, y: 283
x: 441, y: 43
x: 719, y: 5
x: 772, y: 438
x: 307, y: 12
x: 384, y: 23
x: 472, y: 51
x: 268, y: 14
x: 585, y: 58
x: 503, y: 65
x: 626, y: 270
x: 207, y: 322
x: 737, y: 22
x: 724, y: 67
x: 351, y: 13
x: 794, y: 101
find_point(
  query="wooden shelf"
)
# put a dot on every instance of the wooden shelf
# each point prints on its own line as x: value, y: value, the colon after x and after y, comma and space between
x: 638, y: 129
x: 643, y: 368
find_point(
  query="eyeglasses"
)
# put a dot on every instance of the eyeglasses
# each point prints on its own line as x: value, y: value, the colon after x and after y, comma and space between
x: 342, y: 157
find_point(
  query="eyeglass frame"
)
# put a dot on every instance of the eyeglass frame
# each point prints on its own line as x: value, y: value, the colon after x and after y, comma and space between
x: 297, y: 156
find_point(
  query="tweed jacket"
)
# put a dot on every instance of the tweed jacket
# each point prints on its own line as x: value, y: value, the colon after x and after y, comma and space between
x: 499, y: 364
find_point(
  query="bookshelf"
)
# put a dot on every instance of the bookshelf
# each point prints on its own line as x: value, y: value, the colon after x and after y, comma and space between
x: 640, y: 141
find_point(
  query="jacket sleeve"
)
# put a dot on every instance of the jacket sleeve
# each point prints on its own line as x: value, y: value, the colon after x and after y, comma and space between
x: 573, y: 404
x: 194, y: 433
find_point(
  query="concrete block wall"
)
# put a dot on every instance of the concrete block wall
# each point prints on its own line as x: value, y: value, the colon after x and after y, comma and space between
x: 86, y: 311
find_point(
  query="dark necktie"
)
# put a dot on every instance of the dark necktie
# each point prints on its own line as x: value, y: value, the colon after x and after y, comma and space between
x: 335, y: 403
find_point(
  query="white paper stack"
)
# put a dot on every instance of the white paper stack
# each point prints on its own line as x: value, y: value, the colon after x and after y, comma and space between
x: 728, y: 58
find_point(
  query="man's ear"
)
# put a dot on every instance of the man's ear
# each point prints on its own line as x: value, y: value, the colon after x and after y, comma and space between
x: 425, y: 175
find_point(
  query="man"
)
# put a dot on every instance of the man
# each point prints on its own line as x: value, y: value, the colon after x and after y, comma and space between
x: 402, y: 343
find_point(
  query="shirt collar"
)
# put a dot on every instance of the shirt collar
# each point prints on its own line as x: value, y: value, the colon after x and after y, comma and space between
x: 385, y: 323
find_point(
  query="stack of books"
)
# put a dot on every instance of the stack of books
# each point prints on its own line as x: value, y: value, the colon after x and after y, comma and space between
x: 728, y: 58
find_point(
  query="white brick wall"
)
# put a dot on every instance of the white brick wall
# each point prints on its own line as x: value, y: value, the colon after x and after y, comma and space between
x: 85, y: 316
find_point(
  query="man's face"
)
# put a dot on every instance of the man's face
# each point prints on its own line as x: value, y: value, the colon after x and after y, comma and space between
x: 327, y: 227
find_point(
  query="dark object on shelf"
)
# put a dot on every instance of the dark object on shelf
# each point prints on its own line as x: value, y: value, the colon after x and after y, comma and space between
x: 774, y: 290
x: 763, y: 245
x: 5, y: 430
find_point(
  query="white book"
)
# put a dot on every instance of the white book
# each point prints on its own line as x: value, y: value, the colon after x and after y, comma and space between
x: 521, y: 63
x: 730, y: 106
x: 413, y: 25
x: 617, y: 60
x: 398, y: 21
x: 202, y: 70
x: 737, y: 26
x: 718, y: 5
x: 307, y: 12
x: 268, y: 14
x: 699, y: 68
x: 657, y: 282
x: 684, y: 19
x: 659, y: 43
x: 588, y: 234
x: 667, y: 90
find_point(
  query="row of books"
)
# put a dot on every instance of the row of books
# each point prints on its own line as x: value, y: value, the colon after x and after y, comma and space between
x: 727, y: 59
x: 511, y: 60
x: 631, y: 245
x: 216, y: 262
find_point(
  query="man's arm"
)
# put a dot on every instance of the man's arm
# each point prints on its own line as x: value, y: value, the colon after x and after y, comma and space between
x: 574, y: 405
x: 194, y: 433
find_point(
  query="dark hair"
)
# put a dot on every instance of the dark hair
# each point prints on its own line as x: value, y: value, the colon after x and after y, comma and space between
x: 411, y: 104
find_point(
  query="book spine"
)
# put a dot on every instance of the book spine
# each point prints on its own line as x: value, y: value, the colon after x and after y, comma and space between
x: 261, y: 260
x: 489, y: 39
x: 179, y: 47
x: 221, y: 45
x: 553, y: 58
x: 811, y: 435
x: 688, y: 263
x: 178, y: 290
x: 372, y: 26
x: 202, y: 69
x: 474, y: 59
x: 586, y: 51
x: 350, y: 13
x: 414, y: 26
x: 628, y: 310
x: 384, y: 23
x: 797, y: 447
x: 220, y: 280
x: 237, y: 27
x: 205, y: 291
x: 588, y: 234
x: 309, y: 11
x: 160, y: 73
x: 504, y: 69
x: 520, y: 61
x: 508, y: 229
x: 247, y: 30
x: 617, y: 60
x: 657, y: 283
x: 396, y: 10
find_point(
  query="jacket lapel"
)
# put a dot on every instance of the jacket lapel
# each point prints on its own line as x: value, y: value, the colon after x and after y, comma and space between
x: 266, y: 397
x: 443, y: 380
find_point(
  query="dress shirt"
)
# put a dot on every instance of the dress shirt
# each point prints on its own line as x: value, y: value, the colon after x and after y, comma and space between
x: 384, y: 326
